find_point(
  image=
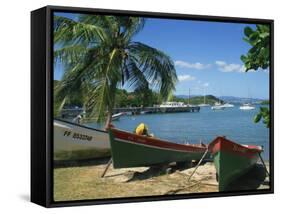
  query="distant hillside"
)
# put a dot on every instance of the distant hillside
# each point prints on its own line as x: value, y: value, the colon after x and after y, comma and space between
x: 196, y: 100
x: 186, y: 96
x: 232, y: 99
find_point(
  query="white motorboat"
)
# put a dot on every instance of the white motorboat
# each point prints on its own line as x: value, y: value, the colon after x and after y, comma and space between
x: 176, y: 106
x: 117, y: 116
x: 247, y: 106
x: 75, y: 142
x: 228, y: 105
x: 217, y: 106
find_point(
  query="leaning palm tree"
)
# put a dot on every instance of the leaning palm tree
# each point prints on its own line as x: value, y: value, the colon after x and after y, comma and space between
x: 99, y: 55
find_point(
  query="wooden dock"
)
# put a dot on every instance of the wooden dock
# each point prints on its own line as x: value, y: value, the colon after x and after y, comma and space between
x: 71, y: 113
x: 156, y: 109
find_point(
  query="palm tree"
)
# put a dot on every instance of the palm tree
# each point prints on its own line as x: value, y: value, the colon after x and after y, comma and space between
x: 99, y: 55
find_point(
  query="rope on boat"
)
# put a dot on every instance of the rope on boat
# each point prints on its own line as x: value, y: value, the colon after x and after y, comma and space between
x: 107, y: 167
x: 198, y: 164
x: 264, y: 165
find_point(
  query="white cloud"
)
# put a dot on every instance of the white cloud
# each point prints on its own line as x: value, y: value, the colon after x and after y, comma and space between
x: 206, y: 84
x: 232, y: 67
x: 243, y: 69
x: 220, y: 63
x: 222, y: 66
x: 185, y: 77
x: 225, y: 67
x: 252, y: 70
x: 197, y: 65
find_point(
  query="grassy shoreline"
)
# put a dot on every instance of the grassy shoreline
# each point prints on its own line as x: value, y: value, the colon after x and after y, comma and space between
x: 80, y: 181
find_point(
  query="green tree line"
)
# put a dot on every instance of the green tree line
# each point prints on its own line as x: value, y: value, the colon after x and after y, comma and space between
x: 139, y: 97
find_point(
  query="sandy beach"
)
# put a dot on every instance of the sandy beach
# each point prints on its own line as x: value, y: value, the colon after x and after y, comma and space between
x: 82, y: 180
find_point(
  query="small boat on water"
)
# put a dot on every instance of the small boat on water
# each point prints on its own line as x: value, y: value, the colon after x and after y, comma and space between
x: 145, y: 112
x: 131, y: 150
x: 117, y: 116
x: 204, y: 104
x: 228, y: 105
x: 173, y: 104
x: 247, y: 106
x: 232, y: 159
x: 76, y: 142
x: 217, y: 106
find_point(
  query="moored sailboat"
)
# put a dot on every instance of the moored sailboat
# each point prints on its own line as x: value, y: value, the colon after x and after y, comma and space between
x: 247, y: 106
x: 217, y: 106
x: 228, y: 105
x: 204, y: 104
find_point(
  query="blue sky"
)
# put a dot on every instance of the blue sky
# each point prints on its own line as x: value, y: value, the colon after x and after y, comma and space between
x: 206, y: 56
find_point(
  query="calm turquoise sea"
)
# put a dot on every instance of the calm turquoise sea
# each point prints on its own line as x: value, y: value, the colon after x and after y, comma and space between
x: 233, y: 123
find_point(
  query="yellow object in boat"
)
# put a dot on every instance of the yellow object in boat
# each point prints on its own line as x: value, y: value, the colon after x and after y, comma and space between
x: 141, y: 129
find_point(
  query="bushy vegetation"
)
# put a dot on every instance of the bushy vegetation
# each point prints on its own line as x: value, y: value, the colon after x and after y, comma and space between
x: 257, y: 57
x: 210, y: 99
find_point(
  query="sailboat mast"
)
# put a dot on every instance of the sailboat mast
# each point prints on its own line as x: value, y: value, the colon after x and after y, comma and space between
x: 188, y: 96
x: 249, y: 96
x: 204, y: 96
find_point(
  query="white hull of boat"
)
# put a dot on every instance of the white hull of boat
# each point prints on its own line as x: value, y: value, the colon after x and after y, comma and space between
x: 117, y: 116
x: 217, y: 108
x: 246, y: 108
x: 204, y: 105
x: 75, y: 142
x: 228, y: 105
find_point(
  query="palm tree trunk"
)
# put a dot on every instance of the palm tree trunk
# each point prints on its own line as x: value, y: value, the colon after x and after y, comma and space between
x: 108, y: 120
x: 113, y: 88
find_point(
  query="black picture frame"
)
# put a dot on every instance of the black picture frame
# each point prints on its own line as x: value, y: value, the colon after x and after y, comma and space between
x: 42, y: 111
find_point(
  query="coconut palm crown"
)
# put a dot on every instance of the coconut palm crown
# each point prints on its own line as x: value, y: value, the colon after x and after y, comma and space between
x: 99, y: 55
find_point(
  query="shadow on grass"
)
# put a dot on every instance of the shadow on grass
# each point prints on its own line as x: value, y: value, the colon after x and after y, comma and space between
x: 158, y: 170
x: 251, y: 180
x: 79, y: 163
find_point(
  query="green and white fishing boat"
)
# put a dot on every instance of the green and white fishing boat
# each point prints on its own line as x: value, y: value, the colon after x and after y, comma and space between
x: 77, y: 142
x: 131, y: 150
x: 232, y: 160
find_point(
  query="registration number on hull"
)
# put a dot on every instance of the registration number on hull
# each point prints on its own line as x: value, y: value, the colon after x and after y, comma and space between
x: 78, y: 136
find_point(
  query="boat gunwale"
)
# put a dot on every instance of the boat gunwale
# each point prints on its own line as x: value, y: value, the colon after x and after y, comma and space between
x: 165, y: 144
x: 249, y: 149
x: 82, y: 126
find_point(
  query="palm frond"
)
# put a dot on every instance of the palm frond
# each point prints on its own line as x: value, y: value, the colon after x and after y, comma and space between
x: 131, y: 26
x: 134, y: 77
x: 71, y: 85
x: 105, y: 79
x: 108, y: 23
x: 68, y: 31
x: 70, y: 54
x: 157, y: 67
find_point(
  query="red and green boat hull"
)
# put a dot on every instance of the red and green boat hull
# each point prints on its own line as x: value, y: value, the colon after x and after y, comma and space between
x: 232, y: 160
x: 131, y: 150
